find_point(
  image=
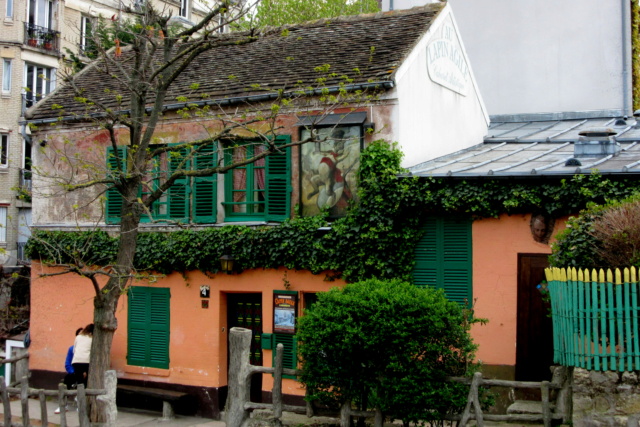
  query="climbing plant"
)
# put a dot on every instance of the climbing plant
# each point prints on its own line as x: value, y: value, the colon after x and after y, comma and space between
x: 375, y: 239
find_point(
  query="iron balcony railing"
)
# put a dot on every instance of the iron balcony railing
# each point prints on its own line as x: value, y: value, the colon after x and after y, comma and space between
x: 20, y: 253
x: 25, y: 180
x: 42, y: 38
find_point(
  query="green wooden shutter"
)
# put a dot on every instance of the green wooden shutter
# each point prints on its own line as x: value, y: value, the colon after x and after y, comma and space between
x: 205, y: 188
x: 148, y: 327
x: 278, y: 182
x: 114, y: 198
x: 443, y: 258
x: 178, y: 209
x: 290, y: 357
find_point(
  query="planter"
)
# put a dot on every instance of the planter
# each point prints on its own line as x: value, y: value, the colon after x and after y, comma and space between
x: 48, y: 45
x: 32, y: 42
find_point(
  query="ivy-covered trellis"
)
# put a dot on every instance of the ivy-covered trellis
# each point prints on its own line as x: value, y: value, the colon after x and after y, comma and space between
x: 376, y: 239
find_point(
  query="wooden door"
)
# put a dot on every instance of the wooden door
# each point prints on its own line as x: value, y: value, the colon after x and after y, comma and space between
x: 534, y: 342
x: 245, y: 311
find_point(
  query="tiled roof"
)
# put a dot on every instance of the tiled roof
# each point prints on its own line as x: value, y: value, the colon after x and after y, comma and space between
x: 366, y: 48
x: 545, y: 148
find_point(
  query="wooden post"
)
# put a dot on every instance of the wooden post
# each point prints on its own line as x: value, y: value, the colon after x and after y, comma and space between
x: 276, y: 393
x: 378, y: 420
x: 62, y: 403
x: 22, y: 363
x: 108, y: 401
x: 546, y: 409
x: 82, y: 407
x: 239, y: 367
x: 345, y: 414
x: 473, y: 399
x: 43, y: 408
x: 24, y: 400
x: 6, y: 403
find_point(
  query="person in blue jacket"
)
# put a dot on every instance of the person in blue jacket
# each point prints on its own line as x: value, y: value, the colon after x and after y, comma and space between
x: 70, y: 377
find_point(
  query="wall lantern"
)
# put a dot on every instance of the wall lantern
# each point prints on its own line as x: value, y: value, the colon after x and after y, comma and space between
x: 226, y: 263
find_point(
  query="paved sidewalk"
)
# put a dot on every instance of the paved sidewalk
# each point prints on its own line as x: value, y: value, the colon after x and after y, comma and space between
x: 126, y: 416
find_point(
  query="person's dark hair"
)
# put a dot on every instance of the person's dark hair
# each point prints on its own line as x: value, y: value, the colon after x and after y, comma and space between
x: 88, y: 330
x: 78, y: 331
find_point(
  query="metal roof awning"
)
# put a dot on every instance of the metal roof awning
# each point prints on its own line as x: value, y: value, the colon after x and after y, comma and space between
x: 539, y: 148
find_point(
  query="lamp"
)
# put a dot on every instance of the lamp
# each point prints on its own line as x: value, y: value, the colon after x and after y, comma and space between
x: 226, y: 263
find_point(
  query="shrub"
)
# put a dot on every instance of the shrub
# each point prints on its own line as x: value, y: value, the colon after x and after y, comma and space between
x: 387, y: 345
x: 602, y: 236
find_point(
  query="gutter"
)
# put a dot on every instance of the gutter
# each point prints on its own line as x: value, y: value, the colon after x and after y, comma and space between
x: 626, y: 44
x: 226, y: 101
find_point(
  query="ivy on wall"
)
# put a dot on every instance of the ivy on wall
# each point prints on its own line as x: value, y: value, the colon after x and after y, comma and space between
x: 376, y: 239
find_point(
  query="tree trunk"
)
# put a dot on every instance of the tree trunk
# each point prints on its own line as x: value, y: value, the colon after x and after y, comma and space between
x: 106, y: 300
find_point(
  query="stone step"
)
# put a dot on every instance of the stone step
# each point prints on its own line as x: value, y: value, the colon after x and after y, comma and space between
x: 527, y: 407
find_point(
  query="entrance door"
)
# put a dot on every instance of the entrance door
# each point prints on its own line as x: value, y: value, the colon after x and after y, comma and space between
x: 534, y: 343
x: 245, y: 311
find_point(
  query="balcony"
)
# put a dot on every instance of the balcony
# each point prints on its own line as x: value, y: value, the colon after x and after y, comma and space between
x: 42, y: 38
x: 24, y: 188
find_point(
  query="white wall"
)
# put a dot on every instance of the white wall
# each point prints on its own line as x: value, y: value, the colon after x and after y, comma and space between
x: 542, y: 56
x: 433, y: 119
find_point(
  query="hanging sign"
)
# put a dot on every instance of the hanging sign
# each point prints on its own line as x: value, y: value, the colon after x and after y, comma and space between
x: 284, y: 311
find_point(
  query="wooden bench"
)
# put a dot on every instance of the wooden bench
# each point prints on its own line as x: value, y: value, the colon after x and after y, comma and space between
x: 168, y: 397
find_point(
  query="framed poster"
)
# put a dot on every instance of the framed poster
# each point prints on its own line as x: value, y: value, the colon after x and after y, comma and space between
x: 284, y: 311
x: 329, y: 170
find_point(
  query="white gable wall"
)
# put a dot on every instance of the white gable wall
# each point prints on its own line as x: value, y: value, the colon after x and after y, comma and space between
x: 432, y: 119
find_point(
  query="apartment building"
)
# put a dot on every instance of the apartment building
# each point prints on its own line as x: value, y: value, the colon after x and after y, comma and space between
x: 36, y: 39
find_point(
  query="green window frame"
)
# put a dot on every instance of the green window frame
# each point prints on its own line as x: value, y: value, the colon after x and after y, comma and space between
x: 190, y: 199
x: 260, y: 191
x: 443, y: 258
x: 148, y: 327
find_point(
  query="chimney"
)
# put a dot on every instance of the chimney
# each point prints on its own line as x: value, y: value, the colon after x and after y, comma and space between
x: 596, y: 142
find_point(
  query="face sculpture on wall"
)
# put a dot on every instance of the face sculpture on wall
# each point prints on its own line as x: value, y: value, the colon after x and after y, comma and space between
x: 541, y: 227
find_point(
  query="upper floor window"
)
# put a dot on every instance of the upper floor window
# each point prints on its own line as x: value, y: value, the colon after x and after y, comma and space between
x: 86, y: 42
x: 38, y: 82
x: 184, y: 8
x: 41, y: 13
x: 4, y: 150
x: 3, y: 223
x: 258, y: 191
x: 6, y: 75
x: 9, y: 9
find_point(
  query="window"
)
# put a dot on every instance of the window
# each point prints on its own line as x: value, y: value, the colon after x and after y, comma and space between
x: 6, y: 75
x: 184, y: 8
x: 290, y: 356
x: 86, y: 43
x: 41, y: 13
x: 4, y: 150
x: 443, y: 258
x: 148, y: 327
x: 259, y: 191
x: 9, y: 10
x: 38, y: 82
x: 188, y: 200
x: 3, y: 223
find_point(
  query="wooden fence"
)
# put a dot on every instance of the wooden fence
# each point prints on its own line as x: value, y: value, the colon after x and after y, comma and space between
x: 595, y: 318
x: 106, y: 397
x: 239, y: 405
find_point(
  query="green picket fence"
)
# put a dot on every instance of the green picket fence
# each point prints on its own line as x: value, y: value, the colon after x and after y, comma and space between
x: 595, y: 321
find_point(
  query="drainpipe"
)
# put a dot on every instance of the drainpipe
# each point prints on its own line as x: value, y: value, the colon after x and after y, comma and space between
x: 626, y: 43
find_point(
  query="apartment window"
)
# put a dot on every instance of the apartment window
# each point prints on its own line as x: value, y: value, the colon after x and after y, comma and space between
x: 4, y: 150
x: 259, y: 191
x: 184, y: 8
x: 443, y: 258
x: 9, y: 9
x: 3, y: 223
x: 148, y: 329
x: 86, y: 43
x: 41, y: 13
x: 6, y: 75
x: 38, y: 82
